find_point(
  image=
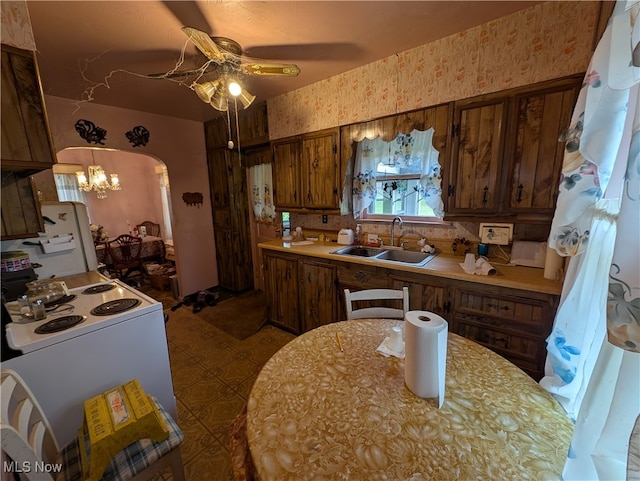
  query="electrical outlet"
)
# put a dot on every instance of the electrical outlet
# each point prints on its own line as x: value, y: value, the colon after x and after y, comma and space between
x: 500, y: 234
x: 325, y: 219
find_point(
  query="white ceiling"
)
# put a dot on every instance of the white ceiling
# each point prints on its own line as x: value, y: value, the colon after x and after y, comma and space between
x: 85, y: 44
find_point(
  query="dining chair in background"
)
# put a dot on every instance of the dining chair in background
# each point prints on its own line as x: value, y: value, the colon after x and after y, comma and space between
x: 151, y: 228
x: 28, y: 441
x: 125, y: 256
x: 368, y: 297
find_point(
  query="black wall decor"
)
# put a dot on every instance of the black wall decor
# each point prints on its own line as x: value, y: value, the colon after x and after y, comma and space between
x: 90, y: 132
x: 138, y: 136
x: 193, y: 198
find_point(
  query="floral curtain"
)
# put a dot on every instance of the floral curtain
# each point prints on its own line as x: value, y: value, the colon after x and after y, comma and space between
x: 406, y: 151
x: 262, y: 192
x: 596, y: 224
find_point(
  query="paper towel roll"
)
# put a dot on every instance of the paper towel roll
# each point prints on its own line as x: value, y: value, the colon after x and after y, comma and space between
x: 553, y: 264
x: 425, y: 347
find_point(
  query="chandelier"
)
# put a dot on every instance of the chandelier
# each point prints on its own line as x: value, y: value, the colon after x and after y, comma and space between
x: 97, y: 181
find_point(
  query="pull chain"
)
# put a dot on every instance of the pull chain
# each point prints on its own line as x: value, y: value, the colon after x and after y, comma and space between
x: 230, y: 142
x: 235, y: 101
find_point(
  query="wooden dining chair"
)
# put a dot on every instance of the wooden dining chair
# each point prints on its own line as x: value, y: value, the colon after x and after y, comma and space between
x: 152, y: 228
x: 125, y: 255
x: 28, y: 441
x: 371, y: 297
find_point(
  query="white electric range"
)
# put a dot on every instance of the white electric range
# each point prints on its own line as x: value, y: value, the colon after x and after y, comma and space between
x: 100, y: 336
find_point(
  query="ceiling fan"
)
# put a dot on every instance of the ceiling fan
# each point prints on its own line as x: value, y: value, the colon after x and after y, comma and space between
x: 224, y: 56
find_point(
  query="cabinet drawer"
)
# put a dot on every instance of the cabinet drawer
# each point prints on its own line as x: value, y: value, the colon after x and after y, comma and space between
x: 531, y: 315
x: 522, y: 351
x: 364, y: 277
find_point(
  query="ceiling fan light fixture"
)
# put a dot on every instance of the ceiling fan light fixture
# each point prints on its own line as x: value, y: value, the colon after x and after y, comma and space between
x: 219, y: 101
x: 246, y: 98
x: 205, y: 91
x: 234, y: 88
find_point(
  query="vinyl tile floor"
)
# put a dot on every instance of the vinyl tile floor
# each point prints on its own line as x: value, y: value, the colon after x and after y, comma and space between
x: 213, y: 374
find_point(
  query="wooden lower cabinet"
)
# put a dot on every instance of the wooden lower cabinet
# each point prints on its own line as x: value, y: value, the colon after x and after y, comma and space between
x: 356, y: 278
x: 301, y: 293
x: 282, y: 287
x: 305, y: 292
x: 318, y: 297
x: 424, y: 295
x: 512, y: 323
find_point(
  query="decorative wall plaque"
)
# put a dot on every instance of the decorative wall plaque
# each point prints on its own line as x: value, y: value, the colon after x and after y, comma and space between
x: 193, y: 198
x: 138, y: 136
x: 90, y: 132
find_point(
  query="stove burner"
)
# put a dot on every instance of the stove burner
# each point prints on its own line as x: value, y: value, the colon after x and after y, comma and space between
x: 62, y: 300
x: 99, y: 288
x: 59, y: 324
x: 114, y: 307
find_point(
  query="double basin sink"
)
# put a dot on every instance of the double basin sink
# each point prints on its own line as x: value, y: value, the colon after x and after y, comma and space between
x: 388, y: 254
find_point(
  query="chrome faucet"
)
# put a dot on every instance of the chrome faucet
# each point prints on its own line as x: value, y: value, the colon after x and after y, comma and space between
x: 393, y: 225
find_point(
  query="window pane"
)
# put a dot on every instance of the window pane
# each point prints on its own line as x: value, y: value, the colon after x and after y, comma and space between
x: 401, y: 177
x: 67, y: 187
x: 399, y: 197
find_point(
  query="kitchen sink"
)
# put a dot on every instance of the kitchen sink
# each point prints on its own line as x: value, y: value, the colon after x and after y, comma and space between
x: 400, y: 256
x: 359, y: 251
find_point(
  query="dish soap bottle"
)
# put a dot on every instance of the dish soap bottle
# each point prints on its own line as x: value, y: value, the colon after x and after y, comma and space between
x: 357, y: 239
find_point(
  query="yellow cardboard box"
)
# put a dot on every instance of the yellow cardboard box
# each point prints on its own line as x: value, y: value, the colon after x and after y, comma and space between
x: 113, y: 420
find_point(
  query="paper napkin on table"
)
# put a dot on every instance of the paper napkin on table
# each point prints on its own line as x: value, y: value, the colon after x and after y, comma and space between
x: 386, y: 351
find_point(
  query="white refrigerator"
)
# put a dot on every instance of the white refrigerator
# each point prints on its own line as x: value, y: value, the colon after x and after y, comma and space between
x: 66, y: 247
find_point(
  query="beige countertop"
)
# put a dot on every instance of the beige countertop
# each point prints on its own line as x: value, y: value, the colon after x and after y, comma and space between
x: 318, y: 413
x: 443, y: 265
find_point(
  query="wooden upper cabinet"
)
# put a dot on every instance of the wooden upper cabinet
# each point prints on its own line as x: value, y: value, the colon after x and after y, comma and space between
x: 254, y: 125
x: 506, y: 155
x: 287, y: 173
x: 478, y: 136
x: 306, y: 171
x: 26, y: 139
x: 320, y: 170
x: 216, y: 132
x: 260, y: 155
x: 540, y: 118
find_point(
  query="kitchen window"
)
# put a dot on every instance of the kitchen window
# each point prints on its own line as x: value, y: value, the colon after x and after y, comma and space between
x: 64, y: 176
x: 400, y: 177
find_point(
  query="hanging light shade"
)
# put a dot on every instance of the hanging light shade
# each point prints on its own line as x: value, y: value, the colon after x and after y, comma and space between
x: 216, y: 93
x: 97, y: 181
x: 207, y: 90
x: 246, y: 98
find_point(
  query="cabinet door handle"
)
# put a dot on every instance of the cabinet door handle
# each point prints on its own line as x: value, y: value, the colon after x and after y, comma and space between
x: 498, y: 307
x: 496, y: 340
x: 485, y: 193
x: 519, y: 197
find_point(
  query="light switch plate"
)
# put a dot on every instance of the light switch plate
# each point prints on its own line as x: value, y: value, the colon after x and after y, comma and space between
x: 500, y: 234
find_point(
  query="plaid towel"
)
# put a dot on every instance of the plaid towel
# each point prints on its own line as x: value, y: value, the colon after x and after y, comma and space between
x: 129, y: 462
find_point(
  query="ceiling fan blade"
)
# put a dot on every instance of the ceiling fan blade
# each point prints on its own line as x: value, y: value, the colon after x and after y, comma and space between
x: 270, y: 69
x: 205, y: 44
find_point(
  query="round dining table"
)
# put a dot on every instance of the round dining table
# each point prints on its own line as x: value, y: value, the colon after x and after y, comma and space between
x: 327, y: 406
